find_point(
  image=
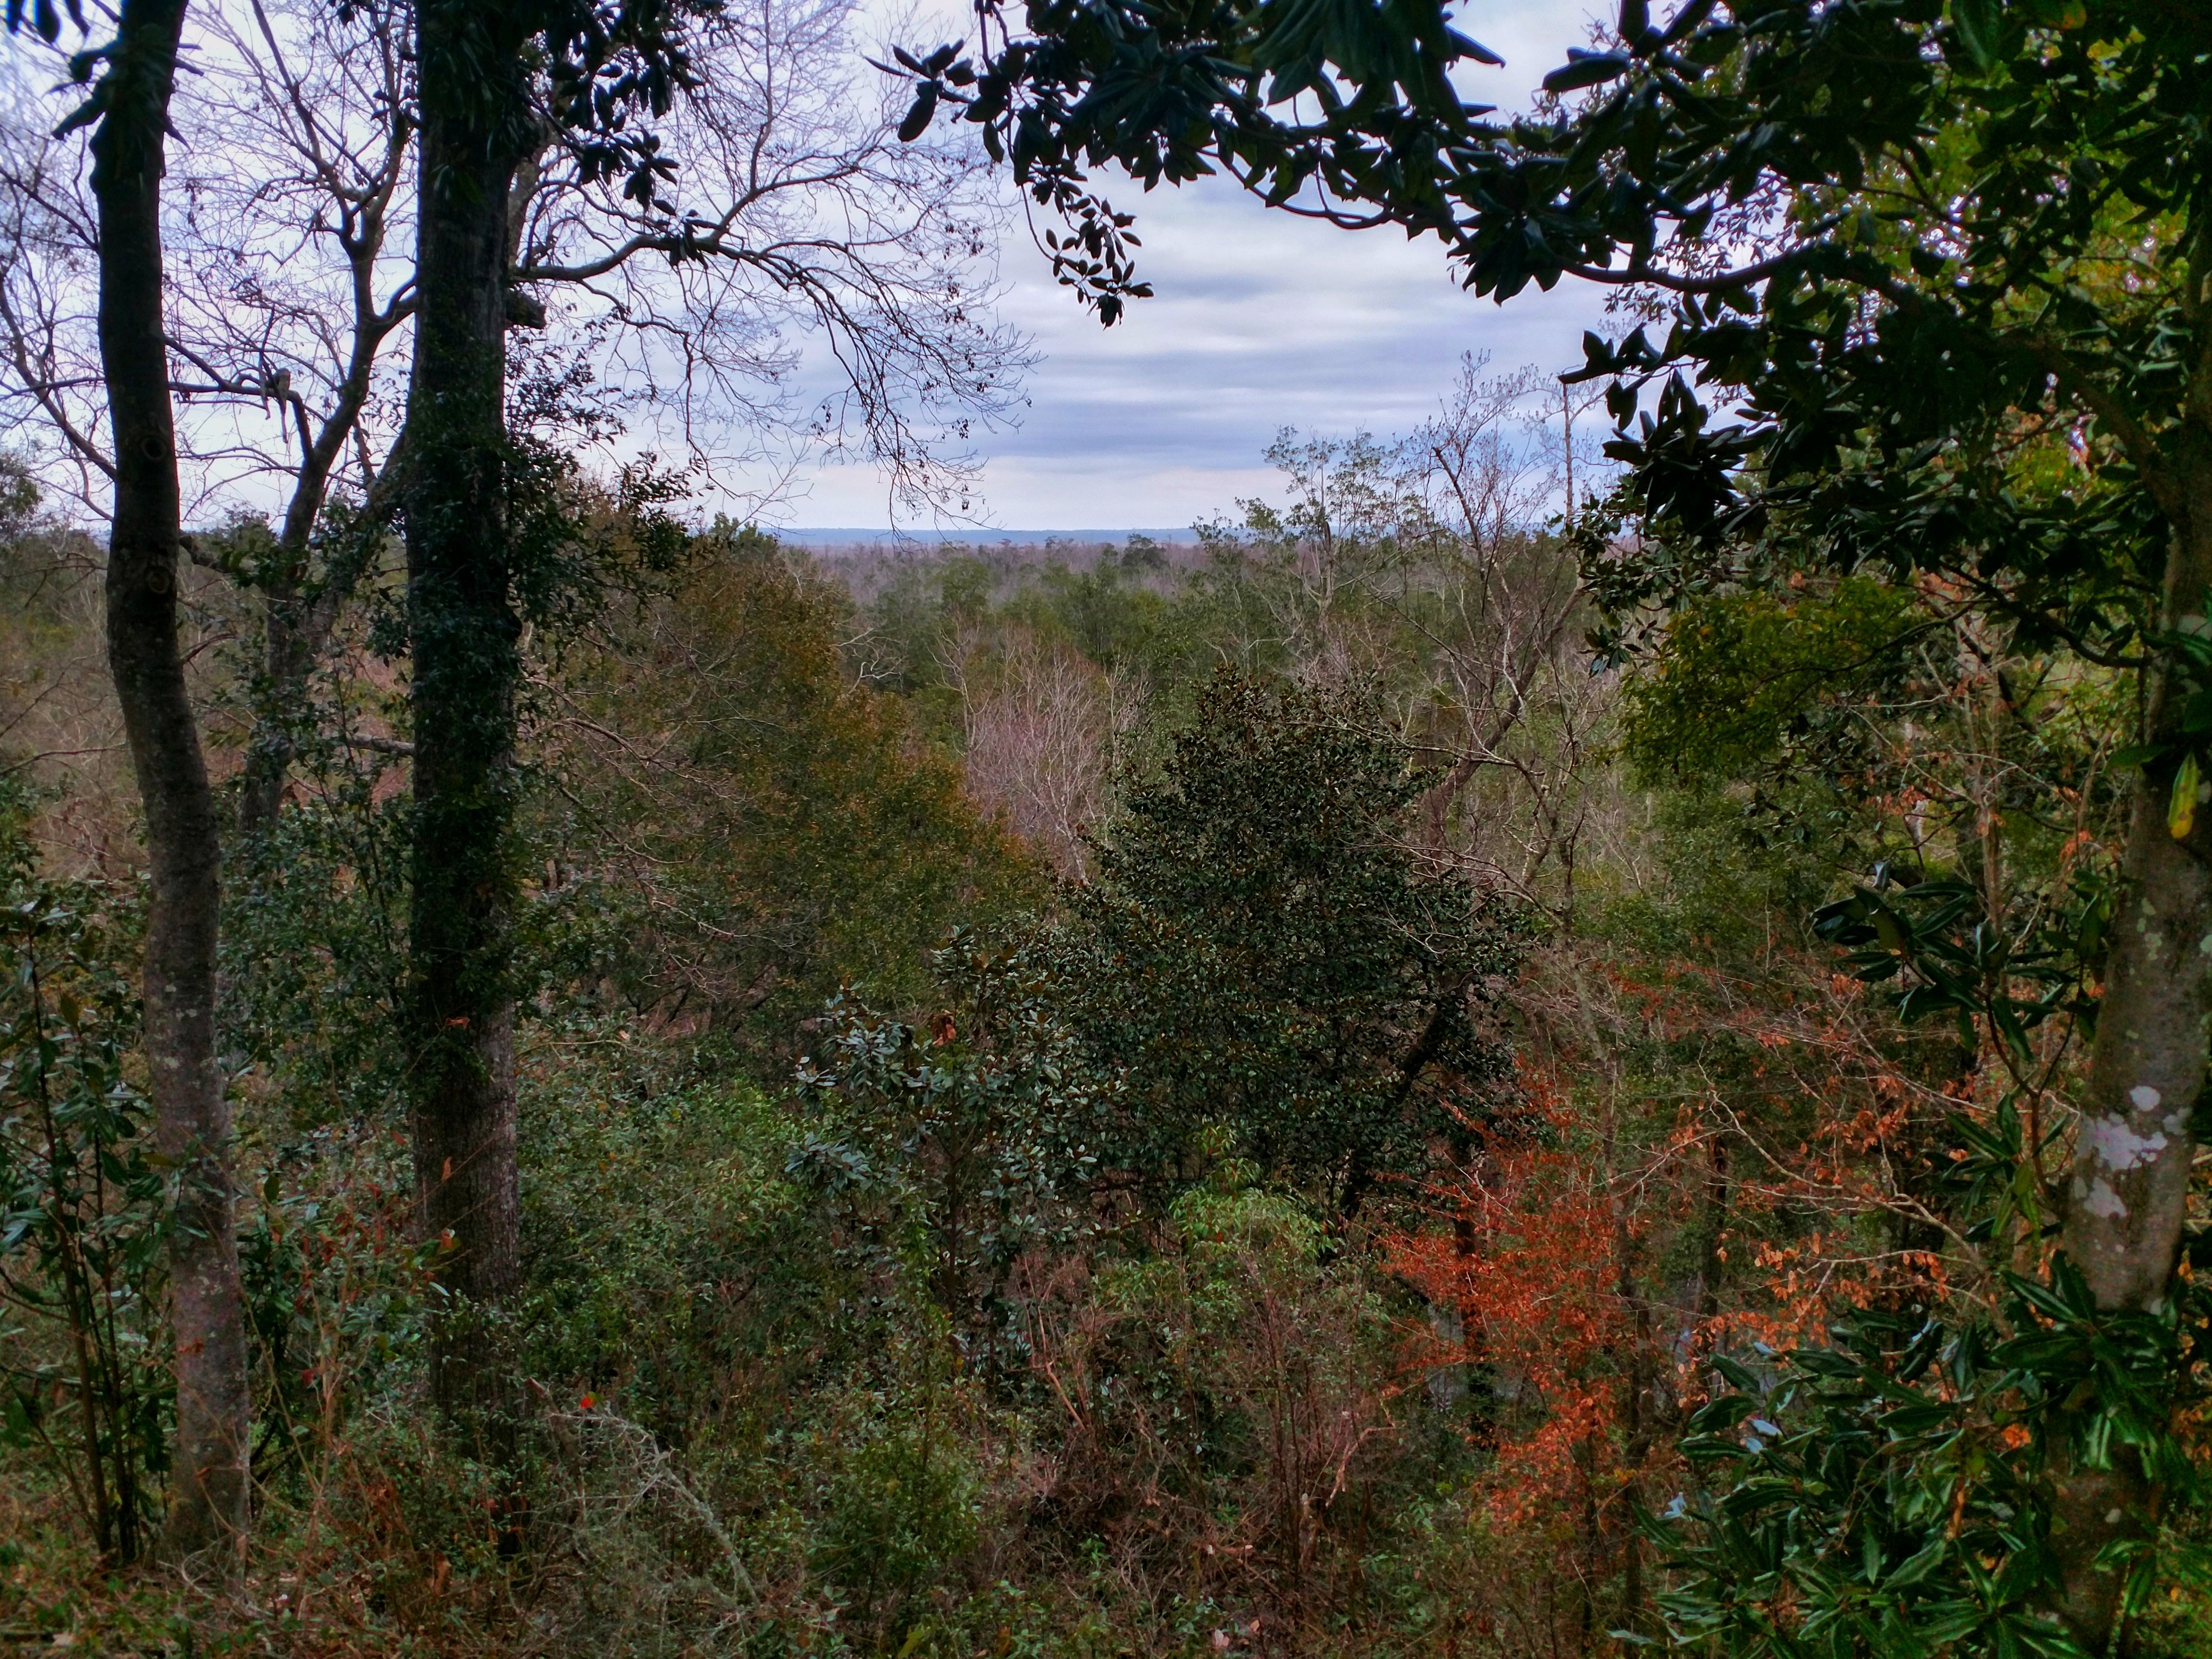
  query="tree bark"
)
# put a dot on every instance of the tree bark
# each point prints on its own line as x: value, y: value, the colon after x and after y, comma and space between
x: 2127, y: 1199
x: 183, y: 838
x: 466, y: 664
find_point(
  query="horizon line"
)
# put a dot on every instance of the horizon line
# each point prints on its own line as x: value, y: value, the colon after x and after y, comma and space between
x: 985, y: 535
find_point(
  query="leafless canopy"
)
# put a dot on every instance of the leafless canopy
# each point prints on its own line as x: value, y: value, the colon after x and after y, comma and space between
x: 818, y: 287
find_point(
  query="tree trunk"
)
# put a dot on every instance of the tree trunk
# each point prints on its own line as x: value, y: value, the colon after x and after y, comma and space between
x: 464, y: 639
x: 2128, y: 1197
x: 295, y: 629
x: 183, y: 839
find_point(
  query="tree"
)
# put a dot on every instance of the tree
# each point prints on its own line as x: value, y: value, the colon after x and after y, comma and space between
x: 1894, y: 238
x: 532, y: 114
x: 1257, y: 950
x: 1421, y: 553
x: 282, y: 307
x: 800, y: 211
x: 291, y: 298
x: 796, y: 211
x: 480, y: 123
x: 1041, y: 724
x: 127, y: 110
x: 759, y: 829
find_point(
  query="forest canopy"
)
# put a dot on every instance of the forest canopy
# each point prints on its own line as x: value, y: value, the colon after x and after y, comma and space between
x: 1507, y: 1050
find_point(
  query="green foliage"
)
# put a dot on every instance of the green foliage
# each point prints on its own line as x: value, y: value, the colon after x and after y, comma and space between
x: 19, y: 498
x: 1259, y: 951
x: 668, y: 1261
x: 1112, y: 615
x: 1896, y: 1490
x: 2190, y: 654
x: 83, y: 1200
x: 902, y: 1497
x: 313, y: 945
x: 1128, y: 613
x: 1935, y: 937
x: 744, y: 828
x: 974, y: 1126
x: 731, y: 1357
x: 576, y: 545
x: 338, y: 1294
x: 1950, y: 204
x: 1973, y: 383
x: 1739, y: 675
x: 1890, y: 1494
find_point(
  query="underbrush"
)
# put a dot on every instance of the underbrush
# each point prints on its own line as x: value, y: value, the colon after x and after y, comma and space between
x: 746, y: 1427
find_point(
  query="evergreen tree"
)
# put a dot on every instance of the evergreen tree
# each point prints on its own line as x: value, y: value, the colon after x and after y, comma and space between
x: 1261, y: 953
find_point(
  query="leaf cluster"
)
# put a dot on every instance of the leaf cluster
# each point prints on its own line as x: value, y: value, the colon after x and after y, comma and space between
x: 1890, y: 1492
x: 597, y: 64
x: 1936, y: 937
x: 973, y: 1128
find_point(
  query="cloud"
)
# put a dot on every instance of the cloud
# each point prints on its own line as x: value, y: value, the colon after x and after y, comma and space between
x: 1260, y: 321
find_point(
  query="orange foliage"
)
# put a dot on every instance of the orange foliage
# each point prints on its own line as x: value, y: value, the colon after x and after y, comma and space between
x: 1532, y: 1262
x: 1701, y: 1160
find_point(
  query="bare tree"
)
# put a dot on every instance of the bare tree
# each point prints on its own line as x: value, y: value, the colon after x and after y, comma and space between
x: 1512, y: 704
x: 1309, y: 575
x: 793, y: 212
x: 797, y: 219
x: 1042, y: 728
x: 1434, y: 550
x: 284, y: 297
x: 324, y: 115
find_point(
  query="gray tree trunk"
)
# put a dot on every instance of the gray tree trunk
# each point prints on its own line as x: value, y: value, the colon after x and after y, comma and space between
x: 192, y: 1118
x: 2127, y: 1198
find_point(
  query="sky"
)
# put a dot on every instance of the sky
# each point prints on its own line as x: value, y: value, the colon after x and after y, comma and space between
x: 1260, y: 321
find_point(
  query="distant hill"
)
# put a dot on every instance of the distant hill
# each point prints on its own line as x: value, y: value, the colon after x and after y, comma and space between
x: 975, y: 536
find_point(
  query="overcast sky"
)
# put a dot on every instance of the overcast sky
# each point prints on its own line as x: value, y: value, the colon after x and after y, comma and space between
x: 1261, y: 321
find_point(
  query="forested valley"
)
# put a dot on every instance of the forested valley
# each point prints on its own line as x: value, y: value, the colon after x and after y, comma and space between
x: 1577, y: 1030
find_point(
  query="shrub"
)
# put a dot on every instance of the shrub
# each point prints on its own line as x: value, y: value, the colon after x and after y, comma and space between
x: 83, y: 1200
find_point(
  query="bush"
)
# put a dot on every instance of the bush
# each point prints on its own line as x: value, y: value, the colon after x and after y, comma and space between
x: 83, y: 1200
x: 963, y: 1144
x: 1226, y: 1436
x: 744, y: 827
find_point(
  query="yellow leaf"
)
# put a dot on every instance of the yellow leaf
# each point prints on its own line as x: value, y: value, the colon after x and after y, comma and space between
x: 2181, y: 810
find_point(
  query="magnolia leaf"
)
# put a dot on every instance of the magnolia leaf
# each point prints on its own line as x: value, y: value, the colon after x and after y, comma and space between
x: 917, y: 117
x: 2135, y: 755
x: 2181, y: 808
x: 1725, y: 1413
x: 1587, y: 69
x: 1991, y: 37
x: 1738, y: 1374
